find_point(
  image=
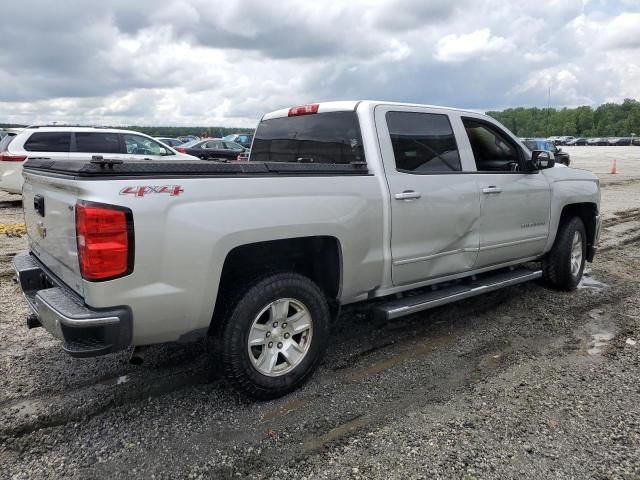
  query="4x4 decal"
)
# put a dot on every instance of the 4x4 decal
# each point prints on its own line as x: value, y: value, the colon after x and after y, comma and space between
x: 141, y: 191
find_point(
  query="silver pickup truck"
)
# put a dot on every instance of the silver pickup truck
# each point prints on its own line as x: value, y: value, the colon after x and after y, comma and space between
x: 341, y: 202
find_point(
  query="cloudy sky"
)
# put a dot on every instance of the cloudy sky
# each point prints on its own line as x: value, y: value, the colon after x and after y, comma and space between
x: 207, y: 62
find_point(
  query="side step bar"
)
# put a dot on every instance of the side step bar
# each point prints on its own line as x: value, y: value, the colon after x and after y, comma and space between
x: 425, y: 301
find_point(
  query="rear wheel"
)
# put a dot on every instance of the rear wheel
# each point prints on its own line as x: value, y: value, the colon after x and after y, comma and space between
x: 274, y: 335
x: 563, y: 266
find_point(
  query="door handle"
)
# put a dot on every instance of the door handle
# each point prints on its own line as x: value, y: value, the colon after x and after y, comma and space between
x: 491, y: 189
x: 407, y: 195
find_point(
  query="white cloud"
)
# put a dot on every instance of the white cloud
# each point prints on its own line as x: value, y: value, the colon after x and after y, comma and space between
x: 458, y: 48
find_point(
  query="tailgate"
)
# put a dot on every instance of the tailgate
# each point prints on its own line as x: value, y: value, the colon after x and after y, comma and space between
x: 49, y: 210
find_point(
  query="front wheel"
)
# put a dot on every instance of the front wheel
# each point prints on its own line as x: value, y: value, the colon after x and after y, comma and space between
x: 562, y: 267
x: 274, y: 335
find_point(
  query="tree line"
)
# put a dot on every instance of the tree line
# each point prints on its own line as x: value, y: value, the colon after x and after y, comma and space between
x: 607, y: 120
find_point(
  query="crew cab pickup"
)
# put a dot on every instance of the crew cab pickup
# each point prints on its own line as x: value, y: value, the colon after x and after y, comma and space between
x: 341, y: 202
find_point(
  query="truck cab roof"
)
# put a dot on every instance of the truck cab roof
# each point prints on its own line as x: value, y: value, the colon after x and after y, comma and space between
x: 352, y: 105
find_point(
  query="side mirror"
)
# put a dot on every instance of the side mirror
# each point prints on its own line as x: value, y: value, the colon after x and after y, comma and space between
x: 541, y: 159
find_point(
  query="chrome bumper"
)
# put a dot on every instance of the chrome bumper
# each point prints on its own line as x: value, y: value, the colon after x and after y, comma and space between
x: 85, y: 332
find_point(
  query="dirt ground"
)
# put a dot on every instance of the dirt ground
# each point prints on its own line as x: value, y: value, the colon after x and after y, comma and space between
x: 526, y: 382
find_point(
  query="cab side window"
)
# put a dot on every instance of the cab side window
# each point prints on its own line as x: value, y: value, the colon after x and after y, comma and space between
x: 492, y: 150
x: 423, y: 143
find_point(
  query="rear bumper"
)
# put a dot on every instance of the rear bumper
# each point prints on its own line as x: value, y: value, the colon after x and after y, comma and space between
x: 85, y: 332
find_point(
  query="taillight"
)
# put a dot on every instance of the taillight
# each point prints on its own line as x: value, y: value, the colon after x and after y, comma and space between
x: 181, y: 149
x: 105, y: 240
x: 8, y: 157
x: 304, y: 109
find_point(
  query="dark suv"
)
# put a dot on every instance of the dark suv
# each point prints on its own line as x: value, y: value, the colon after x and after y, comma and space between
x: 243, y: 139
x: 543, y: 144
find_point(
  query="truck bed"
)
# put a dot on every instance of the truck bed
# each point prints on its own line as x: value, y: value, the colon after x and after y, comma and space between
x: 105, y: 168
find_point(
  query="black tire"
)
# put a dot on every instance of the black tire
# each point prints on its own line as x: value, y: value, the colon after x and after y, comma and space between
x: 556, y: 265
x: 243, y: 309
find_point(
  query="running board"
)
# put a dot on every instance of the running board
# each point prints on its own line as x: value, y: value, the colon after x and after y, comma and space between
x: 485, y: 284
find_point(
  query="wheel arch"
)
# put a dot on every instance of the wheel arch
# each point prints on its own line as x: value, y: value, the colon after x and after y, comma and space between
x: 588, y: 213
x: 316, y: 257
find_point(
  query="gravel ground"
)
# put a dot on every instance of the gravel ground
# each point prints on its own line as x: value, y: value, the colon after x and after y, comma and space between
x: 524, y: 382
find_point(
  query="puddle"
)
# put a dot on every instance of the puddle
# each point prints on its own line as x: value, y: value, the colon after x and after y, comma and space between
x: 589, y: 282
x: 26, y: 407
x: 115, y: 380
x: 598, y: 332
x: 599, y: 341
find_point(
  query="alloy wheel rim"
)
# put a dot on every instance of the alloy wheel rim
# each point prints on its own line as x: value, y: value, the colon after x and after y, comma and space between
x: 280, y: 337
x: 576, y: 254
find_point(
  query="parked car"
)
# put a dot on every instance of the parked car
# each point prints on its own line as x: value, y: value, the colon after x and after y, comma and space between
x: 564, y: 140
x: 580, y: 141
x: 337, y: 206
x: 9, y: 132
x: 212, y: 149
x: 188, y: 138
x: 244, y: 156
x: 543, y: 144
x: 243, y: 139
x: 70, y: 143
x: 619, y: 141
x: 172, y: 142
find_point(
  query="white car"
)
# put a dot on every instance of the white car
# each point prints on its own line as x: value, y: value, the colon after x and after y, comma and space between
x: 75, y: 143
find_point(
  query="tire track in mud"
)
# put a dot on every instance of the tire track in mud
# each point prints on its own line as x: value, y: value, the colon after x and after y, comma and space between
x: 416, y: 337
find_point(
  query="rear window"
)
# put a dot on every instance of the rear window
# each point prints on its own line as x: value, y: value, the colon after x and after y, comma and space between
x: 90, y: 142
x: 48, y: 142
x: 4, y: 143
x: 332, y: 137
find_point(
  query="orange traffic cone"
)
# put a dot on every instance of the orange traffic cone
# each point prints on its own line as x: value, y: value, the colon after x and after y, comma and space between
x: 614, y: 168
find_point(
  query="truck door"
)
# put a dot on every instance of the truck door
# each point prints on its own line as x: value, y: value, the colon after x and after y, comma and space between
x: 515, y: 205
x: 435, y: 206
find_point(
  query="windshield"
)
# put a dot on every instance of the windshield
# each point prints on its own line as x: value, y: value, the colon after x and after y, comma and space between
x: 190, y: 144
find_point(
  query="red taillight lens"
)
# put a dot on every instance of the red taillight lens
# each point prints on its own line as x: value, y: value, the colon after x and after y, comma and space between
x: 8, y: 157
x: 105, y: 240
x: 304, y: 109
x: 181, y: 149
